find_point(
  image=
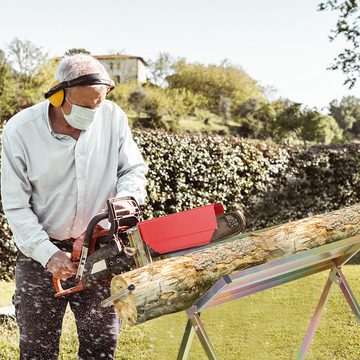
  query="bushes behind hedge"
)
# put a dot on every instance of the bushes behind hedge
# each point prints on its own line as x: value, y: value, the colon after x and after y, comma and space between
x: 272, y: 184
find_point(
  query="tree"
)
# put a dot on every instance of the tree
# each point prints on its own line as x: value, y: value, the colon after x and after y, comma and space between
x: 8, y: 99
x: 74, y: 51
x: 214, y: 82
x: 319, y: 128
x: 32, y: 70
x: 163, y: 108
x: 161, y: 68
x: 225, y: 107
x: 347, y: 27
x: 136, y: 99
x: 26, y: 59
x: 306, y: 125
x: 288, y: 122
x: 346, y: 112
x: 256, y: 118
x: 356, y: 128
x: 247, y: 107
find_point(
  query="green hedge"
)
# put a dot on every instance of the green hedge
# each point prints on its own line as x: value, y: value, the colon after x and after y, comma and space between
x: 272, y: 184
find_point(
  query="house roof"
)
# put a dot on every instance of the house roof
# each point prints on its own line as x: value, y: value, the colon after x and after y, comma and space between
x: 117, y: 56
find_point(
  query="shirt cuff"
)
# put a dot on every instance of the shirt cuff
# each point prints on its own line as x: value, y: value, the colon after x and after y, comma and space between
x: 140, y: 198
x: 44, y: 251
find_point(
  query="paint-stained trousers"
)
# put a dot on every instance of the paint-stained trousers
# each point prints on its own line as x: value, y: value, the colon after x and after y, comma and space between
x: 39, y: 315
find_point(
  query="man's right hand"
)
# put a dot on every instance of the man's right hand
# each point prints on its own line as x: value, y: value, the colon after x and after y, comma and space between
x: 61, y: 266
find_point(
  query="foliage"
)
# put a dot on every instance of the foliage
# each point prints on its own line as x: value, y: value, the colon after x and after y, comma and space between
x: 214, y: 82
x: 162, y: 108
x: 8, y: 100
x: 121, y: 94
x: 225, y: 107
x: 289, y: 121
x: 286, y: 122
x: 26, y: 59
x: 355, y: 130
x: 7, y: 249
x: 306, y: 125
x: 347, y: 114
x: 162, y: 67
x: 222, y: 91
x: 256, y: 119
x: 321, y: 129
x: 40, y: 82
x: 74, y: 51
x: 136, y: 99
x: 251, y: 128
x: 348, y: 28
x: 28, y: 74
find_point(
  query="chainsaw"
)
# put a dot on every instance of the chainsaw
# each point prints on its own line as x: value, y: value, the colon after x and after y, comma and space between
x: 132, y: 242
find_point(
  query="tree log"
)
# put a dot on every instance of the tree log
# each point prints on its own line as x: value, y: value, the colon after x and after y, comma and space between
x: 174, y: 284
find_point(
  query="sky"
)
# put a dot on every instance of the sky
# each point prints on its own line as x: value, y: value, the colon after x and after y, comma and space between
x: 282, y: 44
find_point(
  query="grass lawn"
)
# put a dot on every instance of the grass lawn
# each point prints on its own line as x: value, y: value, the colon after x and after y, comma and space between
x: 267, y: 325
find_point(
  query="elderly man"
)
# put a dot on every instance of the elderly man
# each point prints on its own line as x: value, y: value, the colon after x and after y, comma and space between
x: 61, y: 161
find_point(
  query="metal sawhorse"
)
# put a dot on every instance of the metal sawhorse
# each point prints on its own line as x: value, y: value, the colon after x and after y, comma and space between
x: 246, y: 282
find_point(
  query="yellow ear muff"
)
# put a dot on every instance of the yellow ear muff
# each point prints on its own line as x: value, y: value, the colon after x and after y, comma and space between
x: 56, y: 99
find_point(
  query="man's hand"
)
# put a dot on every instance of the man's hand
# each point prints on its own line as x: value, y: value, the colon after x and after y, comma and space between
x: 60, y: 265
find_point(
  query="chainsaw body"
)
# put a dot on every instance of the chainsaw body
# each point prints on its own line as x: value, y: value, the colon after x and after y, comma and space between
x: 132, y: 243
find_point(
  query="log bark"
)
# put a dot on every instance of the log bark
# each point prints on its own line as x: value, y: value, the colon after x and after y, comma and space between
x: 174, y: 284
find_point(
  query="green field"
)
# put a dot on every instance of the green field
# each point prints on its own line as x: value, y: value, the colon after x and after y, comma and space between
x: 267, y: 325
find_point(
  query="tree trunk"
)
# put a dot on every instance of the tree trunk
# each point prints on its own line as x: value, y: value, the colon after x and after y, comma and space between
x: 174, y: 284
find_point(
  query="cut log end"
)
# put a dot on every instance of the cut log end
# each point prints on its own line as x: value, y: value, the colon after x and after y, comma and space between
x: 125, y: 308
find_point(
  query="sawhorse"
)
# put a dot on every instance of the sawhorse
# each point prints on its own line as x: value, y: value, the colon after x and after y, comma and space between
x: 246, y: 282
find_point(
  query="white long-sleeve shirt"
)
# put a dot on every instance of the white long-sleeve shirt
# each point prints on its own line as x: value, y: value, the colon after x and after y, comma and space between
x: 52, y: 185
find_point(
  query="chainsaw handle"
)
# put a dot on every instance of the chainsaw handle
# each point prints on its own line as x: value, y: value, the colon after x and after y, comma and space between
x: 90, y: 228
x: 59, y: 291
x: 57, y: 285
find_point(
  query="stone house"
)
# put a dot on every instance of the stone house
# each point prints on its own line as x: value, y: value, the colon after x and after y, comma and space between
x: 124, y: 68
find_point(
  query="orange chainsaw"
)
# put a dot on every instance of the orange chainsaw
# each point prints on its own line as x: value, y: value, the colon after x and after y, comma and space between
x: 132, y: 242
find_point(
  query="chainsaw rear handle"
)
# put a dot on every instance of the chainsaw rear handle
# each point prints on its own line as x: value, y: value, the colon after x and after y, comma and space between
x: 59, y: 291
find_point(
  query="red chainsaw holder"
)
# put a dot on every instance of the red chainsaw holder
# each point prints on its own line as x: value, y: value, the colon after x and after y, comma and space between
x: 183, y: 230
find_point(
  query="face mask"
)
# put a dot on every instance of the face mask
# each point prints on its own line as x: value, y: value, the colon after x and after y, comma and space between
x: 80, y: 117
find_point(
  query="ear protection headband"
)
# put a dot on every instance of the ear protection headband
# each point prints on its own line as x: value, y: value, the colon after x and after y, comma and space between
x: 56, y: 93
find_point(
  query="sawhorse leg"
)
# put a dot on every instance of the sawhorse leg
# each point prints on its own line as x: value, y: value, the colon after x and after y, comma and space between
x: 194, y: 324
x: 186, y: 342
x: 350, y: 297
x: 336, y: 276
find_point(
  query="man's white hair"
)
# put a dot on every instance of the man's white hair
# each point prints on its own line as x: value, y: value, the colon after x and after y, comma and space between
x: 73, y: 66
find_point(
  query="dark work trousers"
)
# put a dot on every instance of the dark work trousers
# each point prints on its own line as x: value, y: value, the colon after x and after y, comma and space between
x: 39, y: 315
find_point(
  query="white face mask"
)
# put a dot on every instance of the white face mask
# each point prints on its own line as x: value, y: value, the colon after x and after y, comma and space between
x: 80, y: 117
